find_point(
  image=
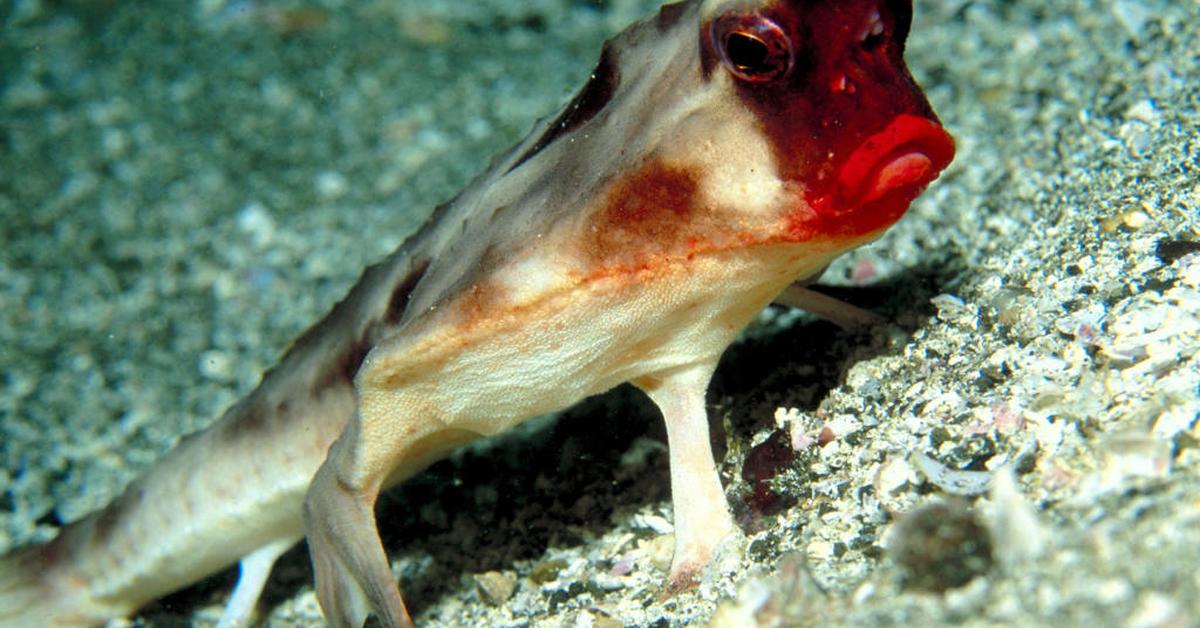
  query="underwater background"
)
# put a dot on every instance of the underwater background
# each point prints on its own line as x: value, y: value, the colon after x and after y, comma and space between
x: 185, y: 186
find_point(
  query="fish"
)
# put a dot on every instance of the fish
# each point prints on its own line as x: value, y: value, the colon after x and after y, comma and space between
x: 721, y: 154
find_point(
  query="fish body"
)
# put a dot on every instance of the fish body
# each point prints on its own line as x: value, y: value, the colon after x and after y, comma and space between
x: 720, y: 151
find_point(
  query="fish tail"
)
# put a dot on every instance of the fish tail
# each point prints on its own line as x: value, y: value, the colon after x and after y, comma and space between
x: 24, y: 598
x: 19, y: 592
x: 36, y: 592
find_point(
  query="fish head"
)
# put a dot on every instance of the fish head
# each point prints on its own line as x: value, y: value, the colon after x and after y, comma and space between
x: 828, y: 86
x: 712, y: 128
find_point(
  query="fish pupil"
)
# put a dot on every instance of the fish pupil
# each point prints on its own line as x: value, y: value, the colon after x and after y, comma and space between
x: 747, y: 53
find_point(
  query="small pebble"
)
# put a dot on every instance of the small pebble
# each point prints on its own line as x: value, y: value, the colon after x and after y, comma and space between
x: 496, y: 587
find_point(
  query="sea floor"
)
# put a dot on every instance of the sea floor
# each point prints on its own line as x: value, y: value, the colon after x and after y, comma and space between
x: 185, y: 186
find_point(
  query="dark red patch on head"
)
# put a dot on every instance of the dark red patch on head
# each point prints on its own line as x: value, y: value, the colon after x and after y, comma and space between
x: 843, y: 114
x: 649, y: 212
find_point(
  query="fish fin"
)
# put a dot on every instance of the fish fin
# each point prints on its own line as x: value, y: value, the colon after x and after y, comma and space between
x: 21, y: 592
x: 353, y: 578
x: 848, y: 317
x: 35, y: 593
x: 702, y: 519
x: 254, y: 569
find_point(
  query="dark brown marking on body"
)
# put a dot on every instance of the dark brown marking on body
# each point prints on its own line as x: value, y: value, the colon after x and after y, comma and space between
x: 398, y: 302
x: 340, y: 371
x: 709, y: 58
x: 252, y: 416
x: 106, y: 522
x: 481, y: 300
x: 351, y: 320
x: 482, y: 295
x: 332, y: 350
x: 345, y: 364
x: 670, y: 14
x: 650, y: 211
x: 590, y: 100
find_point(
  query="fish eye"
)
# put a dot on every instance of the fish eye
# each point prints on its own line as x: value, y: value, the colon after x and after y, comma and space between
x: 752, y: 47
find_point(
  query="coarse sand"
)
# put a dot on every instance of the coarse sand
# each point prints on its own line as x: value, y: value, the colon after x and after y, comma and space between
x: 185, y: 186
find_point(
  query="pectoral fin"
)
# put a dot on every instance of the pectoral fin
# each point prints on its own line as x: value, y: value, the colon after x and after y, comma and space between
x: 702, y: 519
x: 255, y: 568
x: 353, y: 577
x: 836, y: 311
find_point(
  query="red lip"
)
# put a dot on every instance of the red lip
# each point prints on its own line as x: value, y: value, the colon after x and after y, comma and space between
x: 888, y: 170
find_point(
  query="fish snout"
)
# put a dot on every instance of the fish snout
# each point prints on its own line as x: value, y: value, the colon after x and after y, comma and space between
x: 880, y: 177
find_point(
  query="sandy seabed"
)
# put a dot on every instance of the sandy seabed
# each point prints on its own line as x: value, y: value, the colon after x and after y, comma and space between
x: 185, y: 186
